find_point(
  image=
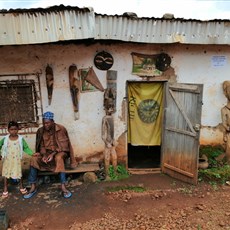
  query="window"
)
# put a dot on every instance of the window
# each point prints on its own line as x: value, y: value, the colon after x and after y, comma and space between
x: 19, y: 101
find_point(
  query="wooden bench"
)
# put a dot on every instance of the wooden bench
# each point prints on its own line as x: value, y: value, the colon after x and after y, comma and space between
x: 81, y: 168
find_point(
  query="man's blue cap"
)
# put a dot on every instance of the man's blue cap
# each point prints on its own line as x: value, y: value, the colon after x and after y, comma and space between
x: 48, y: 115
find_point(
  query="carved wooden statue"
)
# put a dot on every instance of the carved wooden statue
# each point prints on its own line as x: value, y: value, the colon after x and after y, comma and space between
x: 49, y: 82
x: 225, y: 113
x: 74, y: 84
x: 108, y: 135
x: 110, y: 99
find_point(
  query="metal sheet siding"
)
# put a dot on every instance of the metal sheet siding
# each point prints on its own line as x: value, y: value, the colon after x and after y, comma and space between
x: 153, y: 30
x: 45, y: 27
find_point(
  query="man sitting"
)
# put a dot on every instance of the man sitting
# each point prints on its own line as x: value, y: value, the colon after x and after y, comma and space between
x: 53, y: 146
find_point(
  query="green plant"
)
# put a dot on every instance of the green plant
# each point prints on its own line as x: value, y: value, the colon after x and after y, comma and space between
x: 214, y: 185
x: 218, y: 175
x: 121, y: 173
x: 212, y: 152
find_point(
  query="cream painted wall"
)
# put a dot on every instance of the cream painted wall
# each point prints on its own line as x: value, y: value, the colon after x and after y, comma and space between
x: 192, y: 64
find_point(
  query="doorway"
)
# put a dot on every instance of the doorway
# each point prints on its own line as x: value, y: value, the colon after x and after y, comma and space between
x: 144, y: 156
x: 145, y: 113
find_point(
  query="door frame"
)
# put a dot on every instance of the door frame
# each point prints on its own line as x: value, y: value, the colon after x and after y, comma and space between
x: 164, y: 82
x: 166, y: 87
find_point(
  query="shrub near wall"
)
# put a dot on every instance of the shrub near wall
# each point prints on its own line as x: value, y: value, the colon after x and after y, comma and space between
x: 218, y: 170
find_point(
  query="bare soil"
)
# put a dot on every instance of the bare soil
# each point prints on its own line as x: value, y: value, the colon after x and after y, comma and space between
x: 166, y: 204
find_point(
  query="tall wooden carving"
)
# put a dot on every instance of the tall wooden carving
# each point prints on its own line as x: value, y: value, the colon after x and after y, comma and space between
x: 108, y: 123
x: 74, y: 84
x: 225, y: 113
x: 49, y: 83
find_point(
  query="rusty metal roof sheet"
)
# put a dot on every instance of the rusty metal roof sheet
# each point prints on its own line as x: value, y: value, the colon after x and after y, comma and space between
x: 64, y: 23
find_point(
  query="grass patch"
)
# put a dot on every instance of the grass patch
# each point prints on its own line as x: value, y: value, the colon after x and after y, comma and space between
x: 214, y: 185
x: 218, y: 175
x: 121, y: 173
x: 125, y: 188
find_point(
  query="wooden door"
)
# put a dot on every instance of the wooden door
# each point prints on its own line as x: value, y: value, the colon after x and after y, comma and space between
x: 180, y: 147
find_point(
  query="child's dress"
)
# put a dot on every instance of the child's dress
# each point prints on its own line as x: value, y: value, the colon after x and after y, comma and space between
x: 12, y: 154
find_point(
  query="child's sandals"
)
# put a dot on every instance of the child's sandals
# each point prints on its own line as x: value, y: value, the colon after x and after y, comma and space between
x: 5, y: 194
x: 23, y: 191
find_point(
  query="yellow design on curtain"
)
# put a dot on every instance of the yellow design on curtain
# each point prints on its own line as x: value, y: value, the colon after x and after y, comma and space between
x: 145, y: 113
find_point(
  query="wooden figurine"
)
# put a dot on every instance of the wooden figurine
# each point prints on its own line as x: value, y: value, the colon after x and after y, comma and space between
x: 108, y: 134
x: 111, y: 91
x: 49, y: 82
x: 225, y: 114
x: 110, y: 97
x: 74, y: 84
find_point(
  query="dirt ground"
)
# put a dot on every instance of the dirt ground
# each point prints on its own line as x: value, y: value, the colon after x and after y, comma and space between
x: 166, y: 204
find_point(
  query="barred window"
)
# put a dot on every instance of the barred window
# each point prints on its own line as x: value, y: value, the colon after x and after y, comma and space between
x: 20, y: 101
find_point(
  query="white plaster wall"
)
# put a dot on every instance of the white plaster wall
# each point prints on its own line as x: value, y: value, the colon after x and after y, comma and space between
x: 196, y: 67
x: 192, y: 64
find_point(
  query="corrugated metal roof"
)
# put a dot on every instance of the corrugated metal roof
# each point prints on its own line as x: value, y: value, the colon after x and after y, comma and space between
x: 63, y: 23
x: 53, y: 24
x: 160, y: 30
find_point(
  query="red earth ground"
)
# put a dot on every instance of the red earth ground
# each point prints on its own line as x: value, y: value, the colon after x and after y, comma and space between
x: 166, y: 204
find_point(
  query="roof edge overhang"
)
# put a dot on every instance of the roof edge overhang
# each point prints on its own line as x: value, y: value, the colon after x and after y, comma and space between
x: 67, y: 23
x: 36, y: 26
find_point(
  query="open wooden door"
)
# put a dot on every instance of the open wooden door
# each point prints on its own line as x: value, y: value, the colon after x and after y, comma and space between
x: 182, y: 120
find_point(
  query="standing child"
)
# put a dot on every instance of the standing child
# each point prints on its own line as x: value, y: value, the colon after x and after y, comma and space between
x: 12, y: 147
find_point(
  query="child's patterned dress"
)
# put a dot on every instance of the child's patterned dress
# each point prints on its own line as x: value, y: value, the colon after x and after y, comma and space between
x: 11, y: 167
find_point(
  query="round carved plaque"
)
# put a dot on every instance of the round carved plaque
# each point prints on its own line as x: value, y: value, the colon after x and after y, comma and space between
x: 163, y: 61
x: 103, y: 60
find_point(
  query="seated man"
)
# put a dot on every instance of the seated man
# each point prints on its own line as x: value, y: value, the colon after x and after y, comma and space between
x: 52, y: 148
